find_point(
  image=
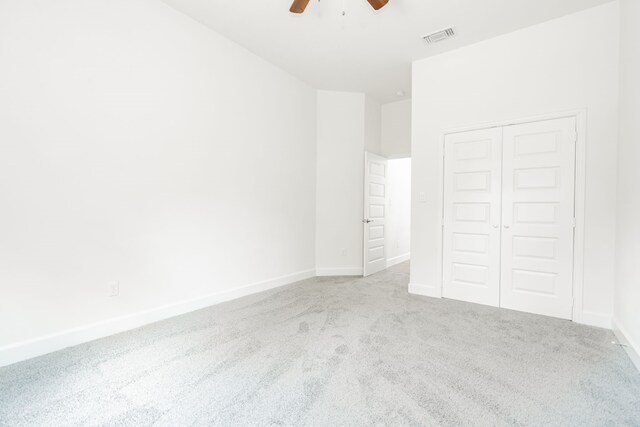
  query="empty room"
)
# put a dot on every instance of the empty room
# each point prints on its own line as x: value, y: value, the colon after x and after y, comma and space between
x: 319, y: 213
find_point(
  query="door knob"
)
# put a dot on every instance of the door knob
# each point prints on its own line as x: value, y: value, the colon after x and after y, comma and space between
x: 367, y: 221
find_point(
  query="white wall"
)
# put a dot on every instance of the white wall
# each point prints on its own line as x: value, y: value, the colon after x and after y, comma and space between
x: 566, y: 64
x: 136, y: 145
x: 398, y: 220
x: 373, y: 125
x: 340, y: 175
x: 396, y: 129
x: 627, y: 293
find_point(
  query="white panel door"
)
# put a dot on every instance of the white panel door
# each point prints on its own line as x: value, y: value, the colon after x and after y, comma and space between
x: 538, y: 217
x: 471, y: 234
x: 375, y: 192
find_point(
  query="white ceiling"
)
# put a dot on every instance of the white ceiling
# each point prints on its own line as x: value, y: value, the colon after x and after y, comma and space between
x: 365, y: 51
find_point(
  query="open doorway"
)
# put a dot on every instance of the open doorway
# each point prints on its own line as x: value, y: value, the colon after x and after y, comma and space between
x: 387, y: 208
x: 399, y: 212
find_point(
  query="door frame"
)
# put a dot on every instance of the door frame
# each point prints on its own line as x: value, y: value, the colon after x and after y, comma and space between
x: 580, y: 196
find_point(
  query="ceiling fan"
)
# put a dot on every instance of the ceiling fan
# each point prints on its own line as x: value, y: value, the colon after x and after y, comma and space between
x: 299, y: 6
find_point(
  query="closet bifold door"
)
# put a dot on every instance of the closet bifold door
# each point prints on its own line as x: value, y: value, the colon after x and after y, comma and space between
x: 471, y: 228
x: 538, y: 189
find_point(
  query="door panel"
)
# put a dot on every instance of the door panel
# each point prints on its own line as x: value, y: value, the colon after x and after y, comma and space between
x: 472, y: 192
x: 538, y: 217
x: 375, y: 189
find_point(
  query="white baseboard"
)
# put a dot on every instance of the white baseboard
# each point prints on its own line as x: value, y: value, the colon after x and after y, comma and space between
x: 594, y: 319
x: 47, y: 344
x: 425, y: 290
x: 349, y: 271
x: 398, y: 260
x: 631, y: 347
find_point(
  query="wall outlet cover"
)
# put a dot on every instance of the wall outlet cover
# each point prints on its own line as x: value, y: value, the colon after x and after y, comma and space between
x: 113, y: 289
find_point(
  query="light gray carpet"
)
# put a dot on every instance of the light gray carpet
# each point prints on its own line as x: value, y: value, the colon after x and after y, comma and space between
x: 333, y: 352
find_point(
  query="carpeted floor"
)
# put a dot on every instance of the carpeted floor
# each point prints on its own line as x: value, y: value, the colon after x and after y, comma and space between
x: 333, y: 352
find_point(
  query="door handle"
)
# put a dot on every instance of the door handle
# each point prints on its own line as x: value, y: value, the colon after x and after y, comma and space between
x: 496, y: 226
x: 507, y: 226
x: 367, y: 221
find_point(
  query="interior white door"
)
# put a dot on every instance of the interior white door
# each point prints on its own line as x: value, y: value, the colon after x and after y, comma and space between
x: 538, y: 217
x: 472, y: 209
x: 375, y: 192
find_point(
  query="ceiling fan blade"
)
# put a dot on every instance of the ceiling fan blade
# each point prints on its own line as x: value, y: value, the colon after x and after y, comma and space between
x: 378, y: 4
x: 299, y: 6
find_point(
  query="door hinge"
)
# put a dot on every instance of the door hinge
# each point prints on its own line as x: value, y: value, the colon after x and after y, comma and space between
x: 574, y: 222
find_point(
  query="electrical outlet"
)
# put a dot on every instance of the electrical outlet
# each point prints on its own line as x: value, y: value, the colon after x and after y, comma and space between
x: 113, y: 289
x: 343, y: 252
